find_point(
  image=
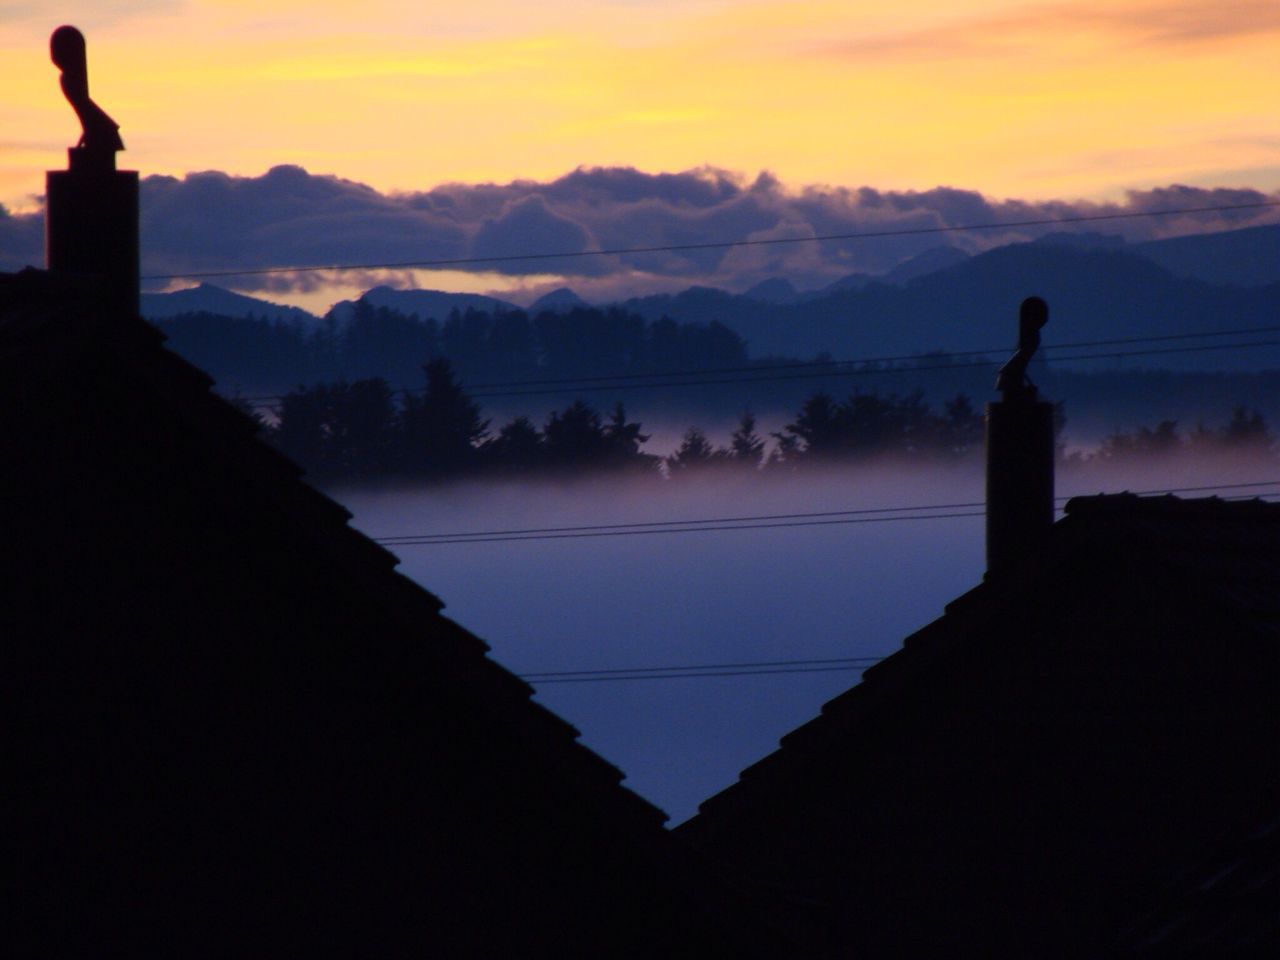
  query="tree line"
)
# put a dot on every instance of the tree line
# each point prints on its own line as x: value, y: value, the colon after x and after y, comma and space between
x: 360, y: 342
x: 377, y: 342
x: 1245, y: 432
x: 365, y: 431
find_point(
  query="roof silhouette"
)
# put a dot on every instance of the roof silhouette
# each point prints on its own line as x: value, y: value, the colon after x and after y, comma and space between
x: 1033, y: 768
x: 1226, y: 902
x: 235, y: 728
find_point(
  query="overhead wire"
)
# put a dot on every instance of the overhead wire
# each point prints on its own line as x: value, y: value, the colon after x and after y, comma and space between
x: 699, y: 529
x: 857, y: 366
x: 707, y: 245
x: 858, y: 372
x: 768, y: 521
x: 543, y: 680
x: 690, y: 668
x: 778, y: 667
x: 653, y: 523
x: 867, y: 361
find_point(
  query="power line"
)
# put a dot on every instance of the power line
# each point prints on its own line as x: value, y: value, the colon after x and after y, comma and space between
x: 871, y: 370
x: 686, y: 676
x: 692, y: 667
x: 902, y: 358
x: 665, y: 523
x: 434, y: 541
x: 715, y: 669
x: 776, y: 667
x: 867, y: 365
x: 763, y: 522
x: 710, y: 245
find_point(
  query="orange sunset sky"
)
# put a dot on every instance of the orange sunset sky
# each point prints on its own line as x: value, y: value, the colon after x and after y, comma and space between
x: 1014, y: 98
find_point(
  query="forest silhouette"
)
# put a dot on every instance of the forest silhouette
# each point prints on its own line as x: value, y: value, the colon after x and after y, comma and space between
x: 364, y: 431
x: 683, y: 372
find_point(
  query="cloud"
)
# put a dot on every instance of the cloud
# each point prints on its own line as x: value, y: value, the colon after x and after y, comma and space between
x: 212, y: 221
x: 1157, y: 23
x: 1190, y: 21
x: 286, y: 217
x: 21, y: 240
x: 529, y: 225
x: 86, y: 14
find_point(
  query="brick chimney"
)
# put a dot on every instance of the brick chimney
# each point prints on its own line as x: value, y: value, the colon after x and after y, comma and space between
x: 1020, y: 454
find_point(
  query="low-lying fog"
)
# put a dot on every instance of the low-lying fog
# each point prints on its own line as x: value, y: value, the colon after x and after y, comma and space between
x: 809, y: 592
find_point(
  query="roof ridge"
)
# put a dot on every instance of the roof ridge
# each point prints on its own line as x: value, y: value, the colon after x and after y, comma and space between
x: 1127, y: 502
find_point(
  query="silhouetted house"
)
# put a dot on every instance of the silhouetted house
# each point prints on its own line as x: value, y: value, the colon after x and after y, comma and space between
x: 231, y: 728
x: 1031, y: 772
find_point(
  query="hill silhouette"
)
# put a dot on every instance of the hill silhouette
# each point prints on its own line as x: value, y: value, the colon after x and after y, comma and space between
x: 426, y: 304
x: 210, y: 298
x: 1097, y: 293
x: 1247, y: 258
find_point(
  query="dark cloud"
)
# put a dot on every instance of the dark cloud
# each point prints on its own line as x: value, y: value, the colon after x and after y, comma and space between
x: 287, y: 217
x: 529, y: 225
x: 21, y: 240
x: 707, y: 187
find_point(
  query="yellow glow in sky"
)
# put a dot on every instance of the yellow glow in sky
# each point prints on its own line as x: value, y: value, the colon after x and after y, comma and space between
x: 1034, y: 99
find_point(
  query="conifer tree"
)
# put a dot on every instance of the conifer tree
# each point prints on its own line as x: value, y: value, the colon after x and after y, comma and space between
x: 746, y: 447
x: 442, y: 428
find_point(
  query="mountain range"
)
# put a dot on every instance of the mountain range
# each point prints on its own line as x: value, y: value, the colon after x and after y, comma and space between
x: 1098, y: 288
x: 208, y: 298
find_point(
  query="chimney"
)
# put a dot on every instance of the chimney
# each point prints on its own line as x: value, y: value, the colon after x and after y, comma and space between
x: 91, y: 208
x: 1020, y: 453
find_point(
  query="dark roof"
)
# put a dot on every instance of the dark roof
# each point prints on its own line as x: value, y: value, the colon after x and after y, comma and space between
x: 1226, y: 902
x: 1032, y: 766
x: 235, y: 727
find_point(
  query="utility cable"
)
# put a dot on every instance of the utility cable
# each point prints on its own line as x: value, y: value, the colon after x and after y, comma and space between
x: 686, y: 676
x: 867, y: 361
x: 664, y: 523
x: 857, y: 367
x: 768, y: 521
x: 697, y: 667
x: 757, y: 668
x: 709, y: 245
x: 702, y: 529
x: 882, y: 370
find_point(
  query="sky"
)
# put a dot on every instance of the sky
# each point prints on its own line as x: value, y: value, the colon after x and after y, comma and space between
x: 1021, y: 101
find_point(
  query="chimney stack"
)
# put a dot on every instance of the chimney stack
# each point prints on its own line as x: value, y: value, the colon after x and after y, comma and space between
x: 91, y: 208
x: 1020, y: 454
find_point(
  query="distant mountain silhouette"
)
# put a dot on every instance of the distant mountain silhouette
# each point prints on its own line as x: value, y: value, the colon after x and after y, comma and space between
x: 853, y: 281
x: 425, y: 303
x: 1081, y: 240
x: 942, y: 299
x: 1246, y: 258
x: 1097, y: 292
x: 557, y: 301
x: 207, y: 298
x: 923, y: 264
x: 774, y: 290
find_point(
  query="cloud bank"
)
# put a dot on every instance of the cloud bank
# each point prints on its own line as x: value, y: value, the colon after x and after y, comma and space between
x: 213, y: 221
